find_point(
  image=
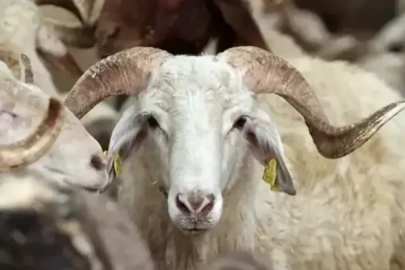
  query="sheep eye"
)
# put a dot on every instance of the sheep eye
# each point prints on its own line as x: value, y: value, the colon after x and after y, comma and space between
x: 240, y: 123
x: 152, y: 122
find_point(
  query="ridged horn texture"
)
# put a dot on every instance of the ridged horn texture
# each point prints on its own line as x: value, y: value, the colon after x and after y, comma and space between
x: 26, y: 65
x: 123, y: 73
x: 29, y: 150
x: 265, y: 73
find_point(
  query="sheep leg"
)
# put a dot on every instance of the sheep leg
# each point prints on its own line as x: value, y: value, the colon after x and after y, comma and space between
x: 239, y: 18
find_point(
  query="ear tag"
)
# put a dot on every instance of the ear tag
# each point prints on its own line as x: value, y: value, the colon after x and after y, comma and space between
x: 117, y: 165
x: 270, y: 175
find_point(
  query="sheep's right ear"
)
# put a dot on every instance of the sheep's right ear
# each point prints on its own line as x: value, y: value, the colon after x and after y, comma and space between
x: 126, y: 137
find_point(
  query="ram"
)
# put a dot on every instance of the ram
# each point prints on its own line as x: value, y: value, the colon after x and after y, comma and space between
x: 195, y: 141
x: 73, y: 158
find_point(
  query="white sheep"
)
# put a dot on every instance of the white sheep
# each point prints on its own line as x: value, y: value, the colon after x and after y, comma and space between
x: 22, y: 30
x: 75, y: 158
x: 194, y: 143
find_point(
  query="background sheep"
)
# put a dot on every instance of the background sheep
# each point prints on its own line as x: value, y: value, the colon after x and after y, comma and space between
x: 75, y: 157
x: 308, y: 231
x: 25, y: 30
x: 181, y: 27
x: 22, y: 31
x: 381, y: 52
x: 48, y: 227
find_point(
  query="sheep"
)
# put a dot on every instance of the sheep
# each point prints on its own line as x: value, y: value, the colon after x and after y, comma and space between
x: 122, y: 24
x: 22, y: 30
x: 75, y: 158
x: 46, y: 226
x: 193, y: 145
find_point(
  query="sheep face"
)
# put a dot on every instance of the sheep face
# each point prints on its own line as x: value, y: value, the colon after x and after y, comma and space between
x: 74, y: 159
x: 193, y: 126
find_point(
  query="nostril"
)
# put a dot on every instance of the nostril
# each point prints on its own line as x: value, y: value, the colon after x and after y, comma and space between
x: 97, y: 162
x: 181, y: 205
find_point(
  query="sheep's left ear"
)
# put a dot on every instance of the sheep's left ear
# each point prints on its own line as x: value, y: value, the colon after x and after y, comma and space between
x: 265, y: 144
x: 126, y: 138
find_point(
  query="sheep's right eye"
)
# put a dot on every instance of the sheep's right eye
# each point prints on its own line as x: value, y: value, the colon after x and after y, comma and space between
x: 152, y: 122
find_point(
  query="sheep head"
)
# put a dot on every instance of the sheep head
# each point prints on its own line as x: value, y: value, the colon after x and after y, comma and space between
x: 198, y: 118
x: 67, y: 154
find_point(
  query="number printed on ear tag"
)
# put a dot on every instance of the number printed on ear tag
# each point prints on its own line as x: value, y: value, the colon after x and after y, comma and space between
x: 117, y: 165
x: 270, y: 175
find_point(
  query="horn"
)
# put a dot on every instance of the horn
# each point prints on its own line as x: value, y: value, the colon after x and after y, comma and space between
x: 29, y: 150
x: 26, y: 64
x: 266, y: 73
x: 124, y: 73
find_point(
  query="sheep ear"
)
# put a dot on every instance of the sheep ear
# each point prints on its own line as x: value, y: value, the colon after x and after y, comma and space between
x: 265, y: 144
x: 126, y: 137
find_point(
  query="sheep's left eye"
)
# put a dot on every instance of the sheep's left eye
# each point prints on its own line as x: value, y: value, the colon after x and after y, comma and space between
x: 240, y: 122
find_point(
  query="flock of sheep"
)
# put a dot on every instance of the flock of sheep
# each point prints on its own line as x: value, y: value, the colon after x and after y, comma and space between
x: 154, y: 157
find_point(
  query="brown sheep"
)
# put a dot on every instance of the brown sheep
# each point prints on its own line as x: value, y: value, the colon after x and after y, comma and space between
x: 178, y: 26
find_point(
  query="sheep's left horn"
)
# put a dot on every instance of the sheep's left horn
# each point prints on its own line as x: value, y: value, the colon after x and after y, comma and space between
x: 267, y: 73
x: 124, y: 73
x: 36, y: 145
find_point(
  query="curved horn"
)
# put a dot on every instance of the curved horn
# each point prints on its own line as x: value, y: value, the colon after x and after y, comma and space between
x: 126, y: 72
x: 267, y: 73
x: 26, y: 64
x: 36, y: 145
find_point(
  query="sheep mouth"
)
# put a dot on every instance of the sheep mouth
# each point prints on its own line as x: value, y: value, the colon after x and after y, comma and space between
x: 194, y: 231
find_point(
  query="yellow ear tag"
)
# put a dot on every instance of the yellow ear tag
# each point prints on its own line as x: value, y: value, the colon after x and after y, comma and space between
x: 117, y: 165
x: 270, y: 175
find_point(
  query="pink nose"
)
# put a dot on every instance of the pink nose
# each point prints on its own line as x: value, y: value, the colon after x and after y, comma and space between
x: 195, y: 203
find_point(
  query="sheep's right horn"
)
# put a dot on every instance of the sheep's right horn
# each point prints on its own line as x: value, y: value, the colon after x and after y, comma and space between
x: 36, y: 145
x: 124, y: 73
